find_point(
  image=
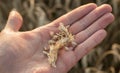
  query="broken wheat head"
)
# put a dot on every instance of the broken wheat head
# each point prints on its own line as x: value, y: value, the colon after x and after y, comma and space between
x: 62, y: 39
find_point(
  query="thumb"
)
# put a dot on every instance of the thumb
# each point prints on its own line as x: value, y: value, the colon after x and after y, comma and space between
x: 14, y: 21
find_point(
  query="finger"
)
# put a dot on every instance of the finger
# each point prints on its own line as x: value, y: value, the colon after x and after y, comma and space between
x: 14, y: 21
x: 85, y: 47
x: 90, y: 18
x: 99, y: 24
x: 67, y: 19
x: 74, y: 15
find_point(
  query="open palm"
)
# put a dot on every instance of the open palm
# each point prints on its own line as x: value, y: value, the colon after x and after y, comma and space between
x: 25, y: 49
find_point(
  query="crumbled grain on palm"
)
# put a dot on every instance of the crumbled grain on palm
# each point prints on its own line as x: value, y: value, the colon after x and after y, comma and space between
x: 59, y: 40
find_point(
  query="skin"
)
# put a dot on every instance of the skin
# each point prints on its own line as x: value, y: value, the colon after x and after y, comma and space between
x: 22, y: 52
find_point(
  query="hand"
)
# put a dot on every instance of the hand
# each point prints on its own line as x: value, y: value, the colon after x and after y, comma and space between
x: 23, y: 51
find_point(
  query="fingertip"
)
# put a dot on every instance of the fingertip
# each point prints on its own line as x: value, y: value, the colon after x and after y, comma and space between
x: 92, y: 5
x: 15, y: 14
x: 14, y: 21
x: 112, y: 17
x: 109, y: 17
x: 99, y: 36
x: 89, y: 6
x: 102, y: 33
x: 107, y: 7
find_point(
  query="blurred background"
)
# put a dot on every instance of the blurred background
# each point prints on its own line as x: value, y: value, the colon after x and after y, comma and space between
x: 105, y: 58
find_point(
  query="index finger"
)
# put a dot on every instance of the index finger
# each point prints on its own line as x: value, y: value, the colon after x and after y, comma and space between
x: 74, y: 15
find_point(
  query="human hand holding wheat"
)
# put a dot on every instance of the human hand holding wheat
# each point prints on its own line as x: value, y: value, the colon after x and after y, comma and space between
x: 22, y: 52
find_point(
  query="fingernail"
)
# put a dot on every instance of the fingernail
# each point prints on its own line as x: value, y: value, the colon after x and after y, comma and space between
x: 13, y: 12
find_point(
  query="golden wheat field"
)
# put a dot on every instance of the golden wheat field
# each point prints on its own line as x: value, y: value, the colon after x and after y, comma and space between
x: 105, y: 58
